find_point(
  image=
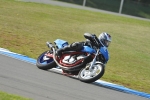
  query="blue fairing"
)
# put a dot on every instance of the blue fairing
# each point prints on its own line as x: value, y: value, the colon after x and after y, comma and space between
x: 88, y: 49
x: 61, y: 43
x: 105, y: 53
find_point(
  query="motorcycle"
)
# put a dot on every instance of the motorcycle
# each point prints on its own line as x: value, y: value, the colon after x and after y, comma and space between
x: 88, y: 63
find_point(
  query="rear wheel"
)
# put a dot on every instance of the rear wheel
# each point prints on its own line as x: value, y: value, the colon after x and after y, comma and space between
x: 85, y: 75
x: 44, y: 62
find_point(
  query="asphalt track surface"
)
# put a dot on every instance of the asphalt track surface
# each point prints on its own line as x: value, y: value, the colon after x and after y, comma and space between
x: 25, y: 79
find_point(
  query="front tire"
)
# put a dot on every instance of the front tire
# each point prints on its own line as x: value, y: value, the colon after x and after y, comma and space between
x: 85, y: 75
x: 45, y: 64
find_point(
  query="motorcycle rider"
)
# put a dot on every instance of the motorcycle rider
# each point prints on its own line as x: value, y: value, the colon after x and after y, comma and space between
x: 104, y: 39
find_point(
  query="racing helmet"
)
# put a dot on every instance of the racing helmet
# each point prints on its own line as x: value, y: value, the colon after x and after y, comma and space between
x: 105, y: 39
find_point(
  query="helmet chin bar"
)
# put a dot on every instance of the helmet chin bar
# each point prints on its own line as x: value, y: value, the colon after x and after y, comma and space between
x: 107, y: 43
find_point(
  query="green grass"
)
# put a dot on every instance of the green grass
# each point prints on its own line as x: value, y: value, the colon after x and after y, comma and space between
x: 25, y: 27
x: 6, y: 96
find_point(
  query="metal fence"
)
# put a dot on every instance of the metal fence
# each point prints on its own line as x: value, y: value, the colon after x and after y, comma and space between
x: 129, y: 7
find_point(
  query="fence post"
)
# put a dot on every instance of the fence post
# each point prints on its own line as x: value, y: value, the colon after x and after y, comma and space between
x: 121, y: 5
x: 84, y: 2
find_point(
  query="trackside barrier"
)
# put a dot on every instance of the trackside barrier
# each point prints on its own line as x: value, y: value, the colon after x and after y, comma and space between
x: 98, y: 82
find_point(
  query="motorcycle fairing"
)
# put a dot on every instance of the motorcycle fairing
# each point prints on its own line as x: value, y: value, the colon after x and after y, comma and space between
x: 65, y: 62
x: 105, y: 53
x: 61, y: 43
x: 88, y: 49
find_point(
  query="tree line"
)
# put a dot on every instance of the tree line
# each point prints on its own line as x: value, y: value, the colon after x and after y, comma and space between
x: 143, y: 1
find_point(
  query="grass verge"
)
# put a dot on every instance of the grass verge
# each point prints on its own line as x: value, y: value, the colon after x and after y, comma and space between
x: 6, y: 96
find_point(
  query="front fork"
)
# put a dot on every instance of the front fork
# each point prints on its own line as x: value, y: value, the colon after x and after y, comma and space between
x: 94, y: 60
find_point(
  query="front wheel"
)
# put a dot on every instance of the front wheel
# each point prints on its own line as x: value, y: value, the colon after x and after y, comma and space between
x: 44, y: 62
x: 85, y: 75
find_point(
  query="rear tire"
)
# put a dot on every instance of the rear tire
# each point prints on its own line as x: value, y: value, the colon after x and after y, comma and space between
x: 86, y: 76
x: 45, y: 64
